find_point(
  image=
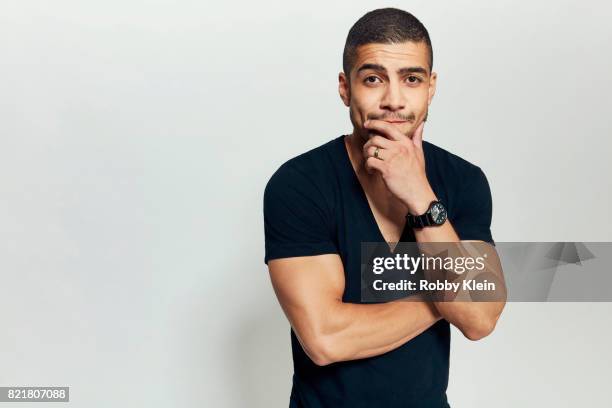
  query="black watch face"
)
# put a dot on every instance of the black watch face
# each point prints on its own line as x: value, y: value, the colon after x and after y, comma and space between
x: 438, y: 213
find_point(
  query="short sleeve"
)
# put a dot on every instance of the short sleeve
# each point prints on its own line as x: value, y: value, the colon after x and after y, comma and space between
x: 472, y: 216
x: 297, y: 217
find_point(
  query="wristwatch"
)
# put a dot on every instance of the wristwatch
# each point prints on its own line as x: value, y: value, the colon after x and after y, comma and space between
x: 434, y: 216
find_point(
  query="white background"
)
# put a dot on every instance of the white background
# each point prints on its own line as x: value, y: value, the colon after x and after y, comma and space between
x: 136, y: 139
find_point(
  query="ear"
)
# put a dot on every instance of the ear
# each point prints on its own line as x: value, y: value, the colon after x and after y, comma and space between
x: 432, y: 87
x: 344, y: 88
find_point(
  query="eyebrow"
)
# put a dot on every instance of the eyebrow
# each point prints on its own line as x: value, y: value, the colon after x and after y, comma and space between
x: 401, y: 71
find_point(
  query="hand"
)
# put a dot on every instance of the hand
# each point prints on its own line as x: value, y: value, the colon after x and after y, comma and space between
x: 401, y: 163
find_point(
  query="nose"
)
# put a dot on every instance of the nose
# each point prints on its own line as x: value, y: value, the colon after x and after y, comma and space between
x: 393, y: 99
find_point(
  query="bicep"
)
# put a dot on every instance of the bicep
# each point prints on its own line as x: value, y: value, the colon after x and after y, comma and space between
x: 307, y: 288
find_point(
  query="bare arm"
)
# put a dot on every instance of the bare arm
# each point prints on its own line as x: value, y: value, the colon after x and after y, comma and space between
x: 402, y: 169
x: 310, y: 290
x: 474, y: 319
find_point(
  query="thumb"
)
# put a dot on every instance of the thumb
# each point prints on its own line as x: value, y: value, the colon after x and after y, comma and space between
x: 417, y: 137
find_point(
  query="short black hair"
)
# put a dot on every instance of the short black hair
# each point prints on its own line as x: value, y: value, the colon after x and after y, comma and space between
x: 384, y: 26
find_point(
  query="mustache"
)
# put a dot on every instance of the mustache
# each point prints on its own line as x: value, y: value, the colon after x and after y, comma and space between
x: 409, y: 118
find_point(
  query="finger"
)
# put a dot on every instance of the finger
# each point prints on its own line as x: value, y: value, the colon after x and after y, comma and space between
x: 384, y: 128
x: 417, y: 137
x: 373, y: 164
x: 379, y: 141
x: 371, y: 152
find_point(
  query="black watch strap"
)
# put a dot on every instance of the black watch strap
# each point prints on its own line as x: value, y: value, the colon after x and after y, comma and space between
x: 419, y: 221
x: 423, y: 220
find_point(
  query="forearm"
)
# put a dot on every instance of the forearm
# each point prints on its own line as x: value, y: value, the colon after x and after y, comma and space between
x: 310, y: 291
x: 475, y: 319
x: 474, y: 312
x: 366, y: 330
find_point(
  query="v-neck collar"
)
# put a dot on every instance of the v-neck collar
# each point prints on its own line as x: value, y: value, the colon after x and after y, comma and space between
x: 364, y: 198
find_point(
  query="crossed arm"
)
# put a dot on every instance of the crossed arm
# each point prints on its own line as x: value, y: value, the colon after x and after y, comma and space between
x: 310, y: 290
x: 474, y: 319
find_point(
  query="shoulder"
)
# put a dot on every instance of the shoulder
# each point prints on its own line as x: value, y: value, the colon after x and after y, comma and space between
x: 469, y: 196
x: 448, y: 162
x: 306, y: 172
x: 461, y: 183
x: 298, y: 208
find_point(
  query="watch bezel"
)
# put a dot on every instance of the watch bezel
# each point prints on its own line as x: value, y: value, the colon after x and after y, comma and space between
x: 441, y: 218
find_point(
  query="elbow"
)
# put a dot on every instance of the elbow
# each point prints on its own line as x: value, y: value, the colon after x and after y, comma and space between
x: 480, y: 329
x: 322, y: 351
x: 321, y: 360
x: 475, y: 334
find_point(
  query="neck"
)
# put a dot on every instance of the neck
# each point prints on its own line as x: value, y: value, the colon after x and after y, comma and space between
x: 354, y: 144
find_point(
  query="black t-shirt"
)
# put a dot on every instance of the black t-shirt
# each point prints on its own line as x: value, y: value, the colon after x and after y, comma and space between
x: 314, y: 204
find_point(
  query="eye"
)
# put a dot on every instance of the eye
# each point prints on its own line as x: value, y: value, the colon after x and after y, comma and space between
x: 371, y: 79
x: 414, y: 79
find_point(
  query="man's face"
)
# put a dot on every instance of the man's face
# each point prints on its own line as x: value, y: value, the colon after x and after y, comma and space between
x: 391, y: 82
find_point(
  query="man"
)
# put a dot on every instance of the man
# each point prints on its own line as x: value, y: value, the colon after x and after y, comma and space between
x: 378, y: 183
